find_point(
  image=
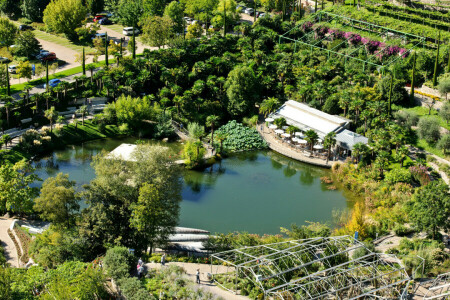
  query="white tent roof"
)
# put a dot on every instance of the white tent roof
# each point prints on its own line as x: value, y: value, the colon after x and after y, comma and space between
x: 124, y: 152
x: 306, y: 117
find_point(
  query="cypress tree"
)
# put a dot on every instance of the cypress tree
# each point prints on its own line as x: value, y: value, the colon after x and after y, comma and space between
x: 436, y: 62
x: 46, y: 74
x: 224, y: 18
x: 106, y: 50
x: 315, y: 6
x: 390, y: 96
x: 83, y: 63
x: 413, y: 80
x: 8, y: 87
x: 133, y: 53
x: 121, y: 47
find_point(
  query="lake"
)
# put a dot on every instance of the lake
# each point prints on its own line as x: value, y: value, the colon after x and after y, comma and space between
x: 258, y: 191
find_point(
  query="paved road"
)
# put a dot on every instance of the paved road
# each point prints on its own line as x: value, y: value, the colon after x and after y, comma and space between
x: 7, y: 243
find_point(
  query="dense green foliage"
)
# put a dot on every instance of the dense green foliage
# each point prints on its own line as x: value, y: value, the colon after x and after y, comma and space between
x: 239, y: 137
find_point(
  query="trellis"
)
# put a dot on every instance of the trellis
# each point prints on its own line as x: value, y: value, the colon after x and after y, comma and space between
x: 316, y: 268
x: 324, y: 18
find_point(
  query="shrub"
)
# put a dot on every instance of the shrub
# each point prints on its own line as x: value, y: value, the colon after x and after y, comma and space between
x: 444, y: 143
x: 402, y: 230
x: 406, y: 118
x: 239, y: 137
x: 118, y: 262
x: 398, y: 175
x: 132, y: 288
x: 420, y: 174
x: 429, y: 130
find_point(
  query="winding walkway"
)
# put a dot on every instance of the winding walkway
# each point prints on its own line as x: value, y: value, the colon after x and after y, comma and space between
x: 7, y: 243
x: 191, y: 270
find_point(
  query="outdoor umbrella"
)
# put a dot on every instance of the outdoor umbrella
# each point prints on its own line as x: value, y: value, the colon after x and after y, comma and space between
x: 298, y: 134
x: 273, y: 126
x: 279, y: 131
x: 269, y: 120
x: 285, y: 127
x: 295, y: 139
x: 286, y: 135
x: 302, y: 142
x: 318, y: 147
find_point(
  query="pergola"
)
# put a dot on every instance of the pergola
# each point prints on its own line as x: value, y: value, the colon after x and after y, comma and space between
x: 331, y: 20
x: 315, y: 268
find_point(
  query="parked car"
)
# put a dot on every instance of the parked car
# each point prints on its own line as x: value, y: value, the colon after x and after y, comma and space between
x: 98, y: 18
x: 262, y: 15
x: 24, y: 27
x: 250, y: 11
x: 42, y: 53
x: 4, y: 59
x: 101, y: 35
x: 105, y: 21
x: 49, y: 57
x: 52, y: 83
x: 12, y: 69
x: 129, y: 31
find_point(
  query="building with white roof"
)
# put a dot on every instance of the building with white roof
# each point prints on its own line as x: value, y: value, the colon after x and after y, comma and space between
x: 305, y: 117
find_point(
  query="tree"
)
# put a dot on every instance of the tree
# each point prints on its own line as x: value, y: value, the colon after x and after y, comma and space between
x: 7, y: 32
x: 24, y: 70
x: 64, y: 16
x: 402, y: 154
x: 311, y: 137
x: 328, y: 142
x: 156, y: 31
x: 10, y: 8
x: 83, y: 110
x: 212, y: 121
x: 225, y: 14
x: 444, y: 143
x: 129, y: 12
x: 26, y: 44
x: 429, y: 208
x: 16, y: 191
x: 58, y: 202
x: 34, y: 9
x: 155, y: 214
x: 445, y: 112
x: 436, y: 63
x: 194, y: 31
x: 51, y: 114
x: 429, y: 130
x: 444, y: 87
x: 174, y: 11
x: 268, y: 106
x: 413, y: 80
x: 118, y: 262
x: 242, y: 90
x: 154, y: 7
x: 95, y: 6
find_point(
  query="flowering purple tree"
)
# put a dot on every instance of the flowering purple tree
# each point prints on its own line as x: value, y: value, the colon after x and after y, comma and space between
x: 307, y: 26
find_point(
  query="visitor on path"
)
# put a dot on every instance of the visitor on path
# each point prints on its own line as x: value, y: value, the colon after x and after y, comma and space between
x: 197, y: 275
x: 140, y: 269
x: 140, y: 262
x: 163, y: 259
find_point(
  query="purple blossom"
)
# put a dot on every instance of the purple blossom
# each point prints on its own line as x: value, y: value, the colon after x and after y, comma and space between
x: 372, y: 46
x: 321, y: 31
x: 403, y: 53
x: 307, y: 26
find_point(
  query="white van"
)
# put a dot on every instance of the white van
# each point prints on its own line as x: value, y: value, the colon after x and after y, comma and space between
x: 129, y: 31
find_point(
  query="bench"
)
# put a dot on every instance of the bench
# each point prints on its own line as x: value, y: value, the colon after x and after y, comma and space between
x: 24, y: 121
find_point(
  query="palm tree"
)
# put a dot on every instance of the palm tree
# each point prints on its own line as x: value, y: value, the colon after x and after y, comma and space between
x: 51, y: 114
x: 360, y: 150
x: 211, y: 121
x: 83, y: 110
x: 311, y: 137
x: 221, y: 137
x: 27, y: 88
x: 268, y: 106
x: 328, y: 142
x: 8, y: 105
x: 91, y: 68
x: 60, y: 119
x: 7, y: 139
x: 402, y: 153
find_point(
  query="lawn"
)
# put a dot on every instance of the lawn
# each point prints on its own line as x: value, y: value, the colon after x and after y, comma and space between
x: 87, y: 132
x: 15, y: 88
x: 422, y: 144
x: 116, y: 27
x: 422, y: 112
x: 61, y: 41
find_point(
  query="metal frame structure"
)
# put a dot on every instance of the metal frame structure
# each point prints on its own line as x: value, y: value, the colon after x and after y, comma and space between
x: 357, y: 26
x: 315, y: 268
x: 440, y: 288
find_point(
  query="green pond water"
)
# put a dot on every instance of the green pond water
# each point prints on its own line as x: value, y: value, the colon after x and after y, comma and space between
x: 257, y: 191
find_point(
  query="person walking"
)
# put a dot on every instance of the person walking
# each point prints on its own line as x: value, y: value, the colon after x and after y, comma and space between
x: 197, y: 275
x: 140, y: 262
x: 163, y: 259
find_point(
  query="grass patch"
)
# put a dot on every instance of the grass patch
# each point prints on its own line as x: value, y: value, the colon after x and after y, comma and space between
x: 61, y: 41
x: 88, y: 132
x: 422, y: 112
x: 15, y: 88
x: 422, y: 144
x: 13, y: 155
x: 115, y: 27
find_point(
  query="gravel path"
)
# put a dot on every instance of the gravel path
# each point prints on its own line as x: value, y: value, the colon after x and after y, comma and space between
x: 191, y: 270
x: 7, y: 243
